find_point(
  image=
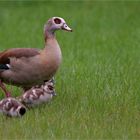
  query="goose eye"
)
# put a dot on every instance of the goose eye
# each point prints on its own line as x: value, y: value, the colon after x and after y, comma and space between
x: 57, y: 21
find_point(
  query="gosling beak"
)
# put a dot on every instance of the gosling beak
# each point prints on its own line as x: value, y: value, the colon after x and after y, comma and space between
x: 66, y: 28
x: 54, y: 93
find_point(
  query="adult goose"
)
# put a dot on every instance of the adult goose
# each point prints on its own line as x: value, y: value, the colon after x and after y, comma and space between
x: 27, y: 67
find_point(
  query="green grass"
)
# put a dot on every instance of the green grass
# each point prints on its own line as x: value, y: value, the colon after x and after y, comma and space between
x: 99, y: 80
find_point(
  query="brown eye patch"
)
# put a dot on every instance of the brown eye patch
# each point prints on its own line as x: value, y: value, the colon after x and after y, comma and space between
x: 57, y: 20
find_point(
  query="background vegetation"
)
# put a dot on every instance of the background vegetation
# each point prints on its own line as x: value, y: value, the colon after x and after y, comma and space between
x: 98, y: 84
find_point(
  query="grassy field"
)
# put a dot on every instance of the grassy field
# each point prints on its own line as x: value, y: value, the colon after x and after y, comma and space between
x: 98, y: 84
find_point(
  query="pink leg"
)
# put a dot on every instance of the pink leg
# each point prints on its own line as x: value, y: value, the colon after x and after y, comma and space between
x: 7, y: 93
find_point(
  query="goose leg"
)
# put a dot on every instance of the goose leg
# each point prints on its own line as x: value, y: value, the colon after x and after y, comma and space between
x: 2, y: 86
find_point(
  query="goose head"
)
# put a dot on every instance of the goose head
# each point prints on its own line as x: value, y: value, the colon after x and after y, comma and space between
x: 56, y: 23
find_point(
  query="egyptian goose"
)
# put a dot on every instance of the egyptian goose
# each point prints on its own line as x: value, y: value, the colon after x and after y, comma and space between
x: 38, y: 95
x: 27, y: 67
x: 11, y: 107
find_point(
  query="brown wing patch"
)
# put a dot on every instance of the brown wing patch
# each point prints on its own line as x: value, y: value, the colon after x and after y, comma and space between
x: 17, y: 52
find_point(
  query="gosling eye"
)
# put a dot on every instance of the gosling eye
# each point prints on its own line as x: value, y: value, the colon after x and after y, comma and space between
x: 50, y: 87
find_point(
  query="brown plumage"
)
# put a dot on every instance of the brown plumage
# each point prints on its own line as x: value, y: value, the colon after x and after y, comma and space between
x: 27, y: 67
